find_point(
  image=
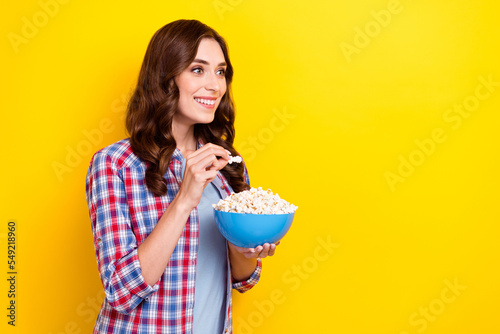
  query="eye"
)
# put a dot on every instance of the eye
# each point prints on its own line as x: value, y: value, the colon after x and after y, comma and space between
x: 221, y: 72
x: 197, y: 70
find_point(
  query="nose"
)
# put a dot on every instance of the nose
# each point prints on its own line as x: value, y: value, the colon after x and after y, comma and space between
x: 212, y: 83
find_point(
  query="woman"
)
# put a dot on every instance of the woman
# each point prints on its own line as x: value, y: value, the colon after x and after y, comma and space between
x: 163, y: 264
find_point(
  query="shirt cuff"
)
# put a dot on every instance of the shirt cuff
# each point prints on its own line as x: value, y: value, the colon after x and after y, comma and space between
x: 130, y: 274
x: 129, y: 286
x: 250, y: 282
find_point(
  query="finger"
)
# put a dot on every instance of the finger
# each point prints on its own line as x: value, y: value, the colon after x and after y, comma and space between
x: 208, y: 159
x: 262, y: 251
x: 272, y: 249
x: 221, y: 163
x: 210, y: 176
x: 249, y: 253
x: 202, y: 177
x: 217, y: 164
x: 266, y: 250
x: 219, y: 151
x: 211, y: 149
x: 206, y: 162
x: 195, y: 158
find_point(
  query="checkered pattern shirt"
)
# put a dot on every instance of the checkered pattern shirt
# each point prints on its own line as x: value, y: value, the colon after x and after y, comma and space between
x: 123, y: 213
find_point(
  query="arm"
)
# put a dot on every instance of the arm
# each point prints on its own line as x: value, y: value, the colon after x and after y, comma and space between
x: 114, y: 241
x: 157, y: 248
x: 246, y: 264
x: 128, y: 272
x: 242, y: 267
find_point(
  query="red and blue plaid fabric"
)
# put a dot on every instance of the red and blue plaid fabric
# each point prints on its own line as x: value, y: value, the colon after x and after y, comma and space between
x: 123, y: 213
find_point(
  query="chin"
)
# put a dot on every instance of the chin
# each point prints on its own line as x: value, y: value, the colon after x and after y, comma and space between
x: 206, y: 120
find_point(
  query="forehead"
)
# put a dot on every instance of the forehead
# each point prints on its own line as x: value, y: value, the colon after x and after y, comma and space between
x: 210, y: 51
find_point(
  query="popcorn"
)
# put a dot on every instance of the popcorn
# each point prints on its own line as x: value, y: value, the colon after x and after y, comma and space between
x: 255, y: 201
x: 237, y: 159
x: 232, y: 159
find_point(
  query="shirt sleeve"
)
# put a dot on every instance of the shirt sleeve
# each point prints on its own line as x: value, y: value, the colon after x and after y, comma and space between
x: 250, y: 282
x: 114, y: 241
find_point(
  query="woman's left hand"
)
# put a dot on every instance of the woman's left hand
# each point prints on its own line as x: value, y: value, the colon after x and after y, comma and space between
x: 262, y: 251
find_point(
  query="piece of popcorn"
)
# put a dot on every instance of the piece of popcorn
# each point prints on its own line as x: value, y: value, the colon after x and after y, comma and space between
x: 237, y: 159
x: 232, y: 159
x: 255, y: 201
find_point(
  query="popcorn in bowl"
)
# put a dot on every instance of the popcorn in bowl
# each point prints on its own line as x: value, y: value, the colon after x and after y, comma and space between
x: 255, y: 201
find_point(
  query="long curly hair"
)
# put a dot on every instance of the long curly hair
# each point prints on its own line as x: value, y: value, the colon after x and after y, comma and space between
x: 155, y: 100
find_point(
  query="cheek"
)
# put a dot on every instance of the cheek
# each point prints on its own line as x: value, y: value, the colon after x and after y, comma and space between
x: 185, y: 99
x: 185, y: 86
x: 223, y: 87
x: 184, y: 95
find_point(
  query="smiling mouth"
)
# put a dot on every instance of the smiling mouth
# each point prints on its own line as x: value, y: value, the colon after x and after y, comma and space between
x: 205, y: 101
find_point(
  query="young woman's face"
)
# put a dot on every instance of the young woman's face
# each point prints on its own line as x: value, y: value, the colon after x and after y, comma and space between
x: 202, y: 84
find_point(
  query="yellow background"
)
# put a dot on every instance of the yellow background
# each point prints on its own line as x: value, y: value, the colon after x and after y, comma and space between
x: 349, y: 120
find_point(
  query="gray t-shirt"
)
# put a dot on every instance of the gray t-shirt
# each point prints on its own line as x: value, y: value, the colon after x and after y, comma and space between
x: 211, y: 267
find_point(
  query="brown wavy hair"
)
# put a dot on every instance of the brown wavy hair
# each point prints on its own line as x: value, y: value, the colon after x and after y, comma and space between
x: 155, y: 99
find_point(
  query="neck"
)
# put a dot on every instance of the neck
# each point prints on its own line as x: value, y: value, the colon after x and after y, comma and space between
x: 184, y: 137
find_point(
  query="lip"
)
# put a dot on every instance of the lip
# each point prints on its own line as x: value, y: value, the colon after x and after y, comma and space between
x: 206, y: 97
x: 206, y: 106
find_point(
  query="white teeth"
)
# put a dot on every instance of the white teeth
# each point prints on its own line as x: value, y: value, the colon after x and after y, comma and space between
x: 204, y: 101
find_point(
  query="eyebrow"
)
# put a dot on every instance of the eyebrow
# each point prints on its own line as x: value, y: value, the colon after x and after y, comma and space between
x: 201, y: 61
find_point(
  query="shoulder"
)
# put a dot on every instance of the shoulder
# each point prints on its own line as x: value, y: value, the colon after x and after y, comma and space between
x: 119, y: 154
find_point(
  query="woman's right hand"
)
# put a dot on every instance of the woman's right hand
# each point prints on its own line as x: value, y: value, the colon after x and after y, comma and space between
x: 155, y: 251
x: 202, y: 166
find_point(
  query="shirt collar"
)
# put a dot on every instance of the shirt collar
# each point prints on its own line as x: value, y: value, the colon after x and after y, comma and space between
x: 200, y: 143
x: 176, y: 155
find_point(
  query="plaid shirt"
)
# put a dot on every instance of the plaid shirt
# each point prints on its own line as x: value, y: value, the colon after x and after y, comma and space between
x: 123, y: 213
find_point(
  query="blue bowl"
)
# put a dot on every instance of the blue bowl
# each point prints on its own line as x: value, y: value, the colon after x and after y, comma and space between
x: 251, y: 230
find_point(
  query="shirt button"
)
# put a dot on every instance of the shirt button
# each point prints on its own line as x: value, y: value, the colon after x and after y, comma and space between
x: 222, y: 187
